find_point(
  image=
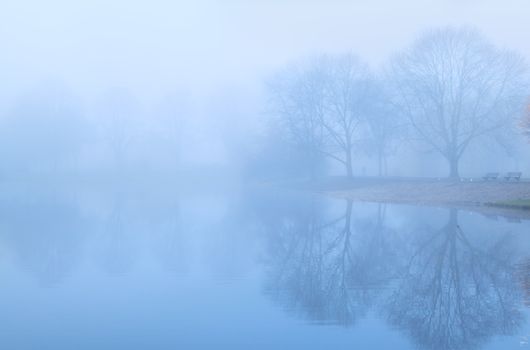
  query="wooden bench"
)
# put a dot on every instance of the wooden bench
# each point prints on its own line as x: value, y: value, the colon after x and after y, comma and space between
x: 491, y: 176
x: 516, y: 175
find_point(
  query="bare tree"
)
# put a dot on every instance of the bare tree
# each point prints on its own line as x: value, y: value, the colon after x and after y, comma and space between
x: 454, y: 87
x: 297, y: 99
x: 348, y: 96
x: 385, y: 129
x: 323, y: 103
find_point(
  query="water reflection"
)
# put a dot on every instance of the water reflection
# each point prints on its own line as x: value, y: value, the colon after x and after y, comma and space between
x: 116, y: 249
x: 437, y: 277
x: 170, y: 244
x: 456, y: 292
x: 330, y: 270
x: 46, y: 236
x: 445, y: 288
x: 524, y: 277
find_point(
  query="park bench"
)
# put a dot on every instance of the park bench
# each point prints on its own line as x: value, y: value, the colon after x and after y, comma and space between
x: 513, y: 175
x: 491, y: 176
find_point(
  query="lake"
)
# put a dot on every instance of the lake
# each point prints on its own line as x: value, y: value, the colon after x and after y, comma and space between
x: 130, y: 268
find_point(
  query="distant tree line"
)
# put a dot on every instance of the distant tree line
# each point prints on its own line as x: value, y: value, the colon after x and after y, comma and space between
x: 49, y: 132
x: 448, y: 90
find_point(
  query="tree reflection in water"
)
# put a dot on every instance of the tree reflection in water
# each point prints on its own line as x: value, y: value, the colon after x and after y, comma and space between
x: 329, y: 271
x: 117, y: 251
x: 456, y: 293
x: 440, y: 286
x: 524, y: 278
x: 46, y: 233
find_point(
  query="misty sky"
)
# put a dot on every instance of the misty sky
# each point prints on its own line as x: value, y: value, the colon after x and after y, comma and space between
x: 218, y: 53
x: 153, y: 46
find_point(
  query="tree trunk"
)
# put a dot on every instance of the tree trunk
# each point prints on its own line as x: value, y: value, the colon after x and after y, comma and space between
x: 453, y: 167
x: 349, y: 169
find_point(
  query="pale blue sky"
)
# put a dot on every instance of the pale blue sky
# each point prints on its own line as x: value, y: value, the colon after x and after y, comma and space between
x: 151, y: 46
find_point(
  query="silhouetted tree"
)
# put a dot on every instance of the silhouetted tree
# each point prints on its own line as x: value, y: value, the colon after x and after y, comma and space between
x: 322, y: 105
x: 454, y: 88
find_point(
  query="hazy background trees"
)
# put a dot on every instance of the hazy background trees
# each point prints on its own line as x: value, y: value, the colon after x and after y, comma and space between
x: 326, y: 114
x: 43, y: 133
x: 297, y: 99
x: 386, y: 130
x: 323, y: 105
x: 119, y: 110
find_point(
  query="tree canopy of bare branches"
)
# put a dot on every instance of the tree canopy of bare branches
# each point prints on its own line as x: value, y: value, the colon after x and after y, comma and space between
x: 454, y: 88
x: 322, y: 104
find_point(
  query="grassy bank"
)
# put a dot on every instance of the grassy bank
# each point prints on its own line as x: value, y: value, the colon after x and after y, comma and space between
x: 425, y: 191
x: 513, y: 204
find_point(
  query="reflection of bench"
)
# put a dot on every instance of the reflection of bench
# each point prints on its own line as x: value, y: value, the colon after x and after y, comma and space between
x: 491, y: 176
x: 513, y: 175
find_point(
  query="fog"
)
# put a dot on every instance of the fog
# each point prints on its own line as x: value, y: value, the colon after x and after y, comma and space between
x: 171, y: 86
x: 264, y: 174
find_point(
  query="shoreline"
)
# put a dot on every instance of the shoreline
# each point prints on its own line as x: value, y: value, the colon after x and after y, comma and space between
x: 488, y: 197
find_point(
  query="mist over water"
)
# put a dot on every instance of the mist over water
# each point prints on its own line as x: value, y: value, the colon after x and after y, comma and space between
x: 183, y: 174
x: 188, y: 82
x: 158, y: 269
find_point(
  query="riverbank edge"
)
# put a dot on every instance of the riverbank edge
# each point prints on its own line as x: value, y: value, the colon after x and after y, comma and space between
x: 490, y: 198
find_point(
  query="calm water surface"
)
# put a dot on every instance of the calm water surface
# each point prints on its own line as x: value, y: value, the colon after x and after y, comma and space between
x: 146, y: 269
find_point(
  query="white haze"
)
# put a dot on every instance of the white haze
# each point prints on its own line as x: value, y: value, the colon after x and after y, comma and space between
x: 213, y: 57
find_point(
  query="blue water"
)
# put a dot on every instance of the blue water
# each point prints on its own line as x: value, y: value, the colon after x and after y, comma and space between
x: 85, y: 268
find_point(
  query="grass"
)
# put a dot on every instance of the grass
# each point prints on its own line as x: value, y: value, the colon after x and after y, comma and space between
x: 516, y: 204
